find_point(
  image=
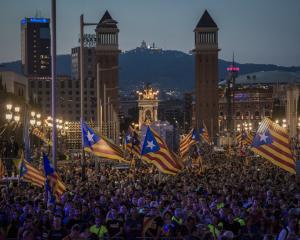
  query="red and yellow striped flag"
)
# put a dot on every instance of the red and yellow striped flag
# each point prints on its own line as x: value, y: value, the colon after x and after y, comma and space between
x: 29, y: 173
x: 204, y: 134
x: 155, y: 151
x: 100, y: 146
x: 271, y: 141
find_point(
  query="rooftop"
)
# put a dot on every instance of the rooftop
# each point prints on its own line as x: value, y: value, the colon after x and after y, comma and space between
x: 267, y: 78
x: 206, y: 21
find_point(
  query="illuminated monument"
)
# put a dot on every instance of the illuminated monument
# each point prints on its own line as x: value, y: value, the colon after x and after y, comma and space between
x: 148, y: 105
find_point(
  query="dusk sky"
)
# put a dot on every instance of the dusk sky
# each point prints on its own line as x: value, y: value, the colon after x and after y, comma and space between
x: 258, y: 31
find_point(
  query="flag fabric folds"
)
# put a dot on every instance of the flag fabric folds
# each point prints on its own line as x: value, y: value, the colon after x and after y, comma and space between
x: 132, y: 142
x: 99, y: 145
x: 244, y: 138
x: 155, y: 151
x: 271, y: 141
x: 187, y: 142
x: 204, y: 134
x: 53, y: 183
x: 29, y: 173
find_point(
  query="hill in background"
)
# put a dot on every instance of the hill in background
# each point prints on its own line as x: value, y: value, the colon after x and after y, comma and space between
x: 166, y: 69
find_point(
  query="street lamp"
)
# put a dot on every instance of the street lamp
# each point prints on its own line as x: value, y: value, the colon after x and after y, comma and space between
x: 8, y: 116
x: 9, y: 107
x: 17, y: 118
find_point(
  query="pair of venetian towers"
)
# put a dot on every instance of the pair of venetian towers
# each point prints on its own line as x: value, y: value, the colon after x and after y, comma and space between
x: 206, y: 67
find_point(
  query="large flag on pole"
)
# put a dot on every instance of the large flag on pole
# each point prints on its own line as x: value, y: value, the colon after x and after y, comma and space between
x: 204, y: 134
x: 53, y: 182
x: 244, y: 138
x: 99, y: 145
x: 29, y: 173
x: 271, y: 141
x: 187, y: 142
x: 155, y: 151
x: 132, y: 142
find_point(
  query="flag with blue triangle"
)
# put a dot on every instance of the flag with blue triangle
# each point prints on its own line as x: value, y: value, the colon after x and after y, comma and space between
x: 99, y: 145
x: 271, y: 141
x: 155, y: 151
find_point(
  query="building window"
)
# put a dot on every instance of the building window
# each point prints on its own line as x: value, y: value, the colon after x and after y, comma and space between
x: 48, y: 84
x: 32, y: 83
x: 62, y: 84
x: 40, y: 84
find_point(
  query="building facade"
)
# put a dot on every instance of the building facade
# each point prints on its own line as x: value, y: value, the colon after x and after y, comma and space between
x: 35, y: 47
x: 206, y: 67
x: 148, y: 106
x: 14, y: 83
x: 107, y: 66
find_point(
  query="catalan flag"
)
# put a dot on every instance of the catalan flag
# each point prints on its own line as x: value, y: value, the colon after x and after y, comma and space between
x: 244, y: 138
x: 99, y: 145
x: 29, y: 173
x: 204, y: 134
x: 187, y: 142
x: 132, y: 142
x: 155, y: 151
x: 271, y: 141
x: 53, y: 183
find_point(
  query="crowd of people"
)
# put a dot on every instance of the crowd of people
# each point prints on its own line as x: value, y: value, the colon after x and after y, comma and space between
x: 230, y: 198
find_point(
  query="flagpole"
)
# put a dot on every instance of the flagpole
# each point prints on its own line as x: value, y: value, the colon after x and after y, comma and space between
x: 83, y: 160
x: 53, y: 79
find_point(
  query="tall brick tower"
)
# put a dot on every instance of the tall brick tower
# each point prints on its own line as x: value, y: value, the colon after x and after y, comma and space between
x: 107, y: 62
x: 206, y: 75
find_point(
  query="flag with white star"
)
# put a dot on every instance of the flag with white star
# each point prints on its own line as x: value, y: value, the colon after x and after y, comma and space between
x: 203, y: 132
x: 132, y: 142
x: 244, y: 138
x: 53, y: 183
x: 29, y: 173
x: 187, y: 142
x: 155, y: 151
x: 99, y: 145
x: 271, y: 142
